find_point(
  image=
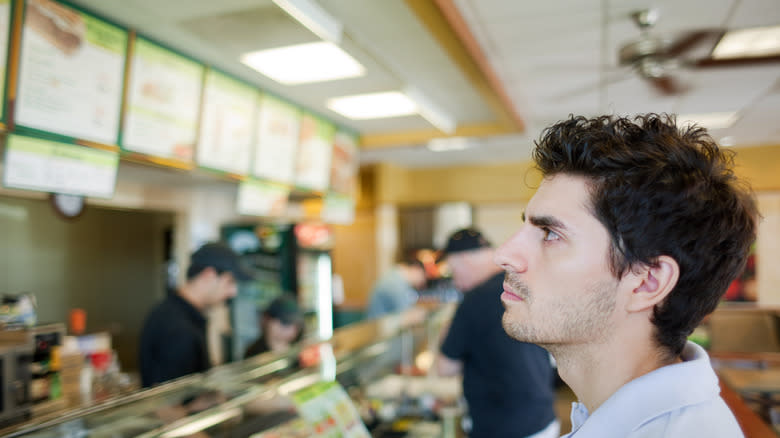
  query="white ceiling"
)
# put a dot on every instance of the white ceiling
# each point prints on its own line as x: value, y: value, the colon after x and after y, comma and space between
x: 552, y: 58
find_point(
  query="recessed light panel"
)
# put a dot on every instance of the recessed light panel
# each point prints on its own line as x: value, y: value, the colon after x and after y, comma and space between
x: 304, y: 63
x: 747, y: 43
x: 373, y: 106
x: 709, y: 120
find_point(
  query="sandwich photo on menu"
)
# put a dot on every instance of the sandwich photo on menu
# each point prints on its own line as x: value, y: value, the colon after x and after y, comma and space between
x: 61, y: 26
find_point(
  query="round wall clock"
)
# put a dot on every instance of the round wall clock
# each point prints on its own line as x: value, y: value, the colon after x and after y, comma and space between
x: 67, y: 206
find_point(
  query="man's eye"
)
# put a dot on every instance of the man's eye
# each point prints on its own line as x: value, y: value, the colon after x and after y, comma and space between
x: 550, y: 234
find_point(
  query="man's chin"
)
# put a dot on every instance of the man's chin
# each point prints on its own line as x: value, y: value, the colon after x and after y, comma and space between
x: 511, y: 329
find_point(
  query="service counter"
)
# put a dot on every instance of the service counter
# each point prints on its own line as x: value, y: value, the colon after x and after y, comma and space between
x: 744, y: 346
x: 380, y: 365
x: 372, y: 360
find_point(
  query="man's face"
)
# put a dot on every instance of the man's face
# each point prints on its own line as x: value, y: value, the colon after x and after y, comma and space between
x: 558, y: 287
x: 281, y: 332
x: 224, y: 287
x: 461, y: 270
x: 417, y: 276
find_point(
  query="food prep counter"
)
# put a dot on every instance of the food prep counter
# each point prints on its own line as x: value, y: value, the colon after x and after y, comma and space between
x: 255, y: 397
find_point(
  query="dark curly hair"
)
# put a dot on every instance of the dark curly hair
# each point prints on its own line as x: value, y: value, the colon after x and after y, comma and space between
x: 659, y: 190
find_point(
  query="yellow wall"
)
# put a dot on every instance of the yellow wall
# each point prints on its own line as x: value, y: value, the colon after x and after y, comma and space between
x: 761, y: 166
x: 473, y: 184
x: 499, y: 192
x: 517, y: 182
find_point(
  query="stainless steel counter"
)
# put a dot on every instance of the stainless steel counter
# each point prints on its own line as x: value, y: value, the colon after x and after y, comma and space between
x: 248, y: 397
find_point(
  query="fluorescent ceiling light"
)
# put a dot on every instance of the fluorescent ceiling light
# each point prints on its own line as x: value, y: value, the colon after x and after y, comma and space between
x: 709, y: 120
x: 373, y: 105
x: 313, y: 17
x: 745, y: 43
x: 449, y: 144
x: 304, y: 63
x: 432, y: 112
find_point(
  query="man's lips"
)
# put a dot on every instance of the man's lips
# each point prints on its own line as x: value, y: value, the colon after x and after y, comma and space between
x: 509, y: 295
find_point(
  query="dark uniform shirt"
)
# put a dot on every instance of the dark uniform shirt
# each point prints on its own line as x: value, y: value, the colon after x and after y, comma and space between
x: 508, y: 384
x: 257, y: 347
x: 173, y: 342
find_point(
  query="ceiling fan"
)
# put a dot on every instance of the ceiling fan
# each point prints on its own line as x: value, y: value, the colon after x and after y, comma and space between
x: 657, y: 58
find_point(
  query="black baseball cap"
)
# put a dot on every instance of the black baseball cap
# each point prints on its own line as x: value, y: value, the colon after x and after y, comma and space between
x: 222, y: 258
x: 465, y: 239
x: 285, y: 309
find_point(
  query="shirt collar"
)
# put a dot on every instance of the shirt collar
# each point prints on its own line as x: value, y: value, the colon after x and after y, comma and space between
x: 647, y: 397
x: 191, y: 311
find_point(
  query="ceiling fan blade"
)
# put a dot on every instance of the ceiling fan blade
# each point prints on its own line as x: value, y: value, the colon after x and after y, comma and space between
x: 667, y: 85
x: 692, y: 39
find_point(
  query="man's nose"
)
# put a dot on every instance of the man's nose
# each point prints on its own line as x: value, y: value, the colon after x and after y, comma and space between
x: 511, y: 256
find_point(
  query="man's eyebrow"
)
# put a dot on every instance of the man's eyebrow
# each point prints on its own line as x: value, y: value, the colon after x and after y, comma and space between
x: 545, y: 221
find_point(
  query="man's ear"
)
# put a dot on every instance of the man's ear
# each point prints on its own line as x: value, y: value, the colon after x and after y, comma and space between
x: 654, y: 283
x: 208, y: 273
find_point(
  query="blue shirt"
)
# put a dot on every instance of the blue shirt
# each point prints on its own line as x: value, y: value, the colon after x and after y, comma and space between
x: 391, y: 294
x: 679, y: 400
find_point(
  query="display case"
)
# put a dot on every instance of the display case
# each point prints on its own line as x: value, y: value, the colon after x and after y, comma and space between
x: 254, y: 397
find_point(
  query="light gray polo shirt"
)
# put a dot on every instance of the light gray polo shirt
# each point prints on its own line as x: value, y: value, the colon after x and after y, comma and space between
x: 679, y: 400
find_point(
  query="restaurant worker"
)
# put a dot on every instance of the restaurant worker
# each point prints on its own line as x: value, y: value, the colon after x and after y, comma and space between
x: 281, y: 324
x: 632, y: 237
x: 173, y: 340
x: 508, y: 385
x: 398, y: 289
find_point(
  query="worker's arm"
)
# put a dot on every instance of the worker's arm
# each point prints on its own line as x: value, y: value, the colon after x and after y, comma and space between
x: 446, y: 367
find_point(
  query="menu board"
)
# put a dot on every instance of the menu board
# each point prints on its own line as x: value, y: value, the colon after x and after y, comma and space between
x: 163, y: 98
x: 338, y: 209
x: 226, y: 124
x: 329, y: 411
x: 70, y: 73
x: 278, y: 128
x: 48, y: 166
x: 5, y: 26
x: 258, y: 198
x: 344, y: 164
x: 315, y: 148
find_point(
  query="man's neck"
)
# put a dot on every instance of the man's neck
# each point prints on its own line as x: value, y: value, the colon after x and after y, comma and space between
x: 189, y: 294
x: 596, y: 371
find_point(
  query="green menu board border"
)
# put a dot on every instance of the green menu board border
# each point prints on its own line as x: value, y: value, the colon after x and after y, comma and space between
x: 47, y: 138
x: 18, y: 12
x: 3, y: 102
x: 91, y: 14
x: 152, y: 41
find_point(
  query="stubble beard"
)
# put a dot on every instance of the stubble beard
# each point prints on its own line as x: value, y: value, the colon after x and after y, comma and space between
x: 566, y: 321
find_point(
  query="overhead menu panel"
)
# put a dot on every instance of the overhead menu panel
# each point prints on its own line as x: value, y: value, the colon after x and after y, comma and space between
x: 276, y: 142
x: 259, y: 198
x: 48, y: 166
x: 163, y: 99
x: 344, y: 164
x: 70, y: 73
x: 315, y: 148
x: 338, y: 209
x: 226, y: 124
x: 5, y: 26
